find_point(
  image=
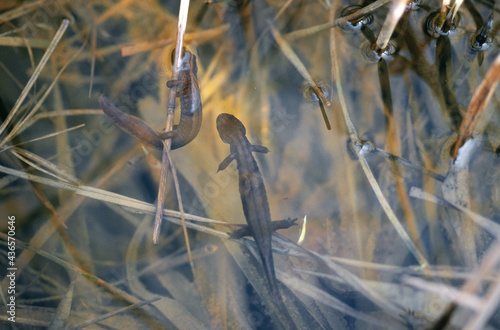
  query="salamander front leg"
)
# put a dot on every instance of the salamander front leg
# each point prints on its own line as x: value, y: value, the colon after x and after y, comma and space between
x: 225, y: 163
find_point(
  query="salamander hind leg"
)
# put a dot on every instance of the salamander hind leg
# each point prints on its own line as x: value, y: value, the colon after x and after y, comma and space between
x: 168, y: 135
x: 240, y: 233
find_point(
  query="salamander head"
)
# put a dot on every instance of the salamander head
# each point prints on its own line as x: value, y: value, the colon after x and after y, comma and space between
x: 188, y: 62
x: 230, y: 128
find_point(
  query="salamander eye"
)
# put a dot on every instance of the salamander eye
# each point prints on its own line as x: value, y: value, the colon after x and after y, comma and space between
x: 172, y: 54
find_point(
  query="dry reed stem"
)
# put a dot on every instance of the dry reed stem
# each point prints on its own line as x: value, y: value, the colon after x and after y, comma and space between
x: 445, y: 5
x: 335, y: 22
x: 19, y: 124
x: 366, y: 168
x: 181, y: 207
x: 52, y: 170
x: 181, y: 29
x: 455, y: 7
x: 307, y: 289
x: 199, y: 37
x: 395, y: 13
x: 349, y: 173
x: 55, y: 40
x: 480, y: 99
x: 46, y: 231
x: 297, y: 63
x: 93, y: 47
x: 445, y: 292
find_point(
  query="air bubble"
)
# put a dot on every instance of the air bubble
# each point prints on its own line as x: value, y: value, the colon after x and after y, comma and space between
x: 432, y: 28
x: 360, y: 148
x: 481, y: 40
x: 414, y: 5
x: 356, y: 26
x: 371, y: 53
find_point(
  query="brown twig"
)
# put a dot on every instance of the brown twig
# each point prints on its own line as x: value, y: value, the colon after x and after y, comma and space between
x: 166, y: 159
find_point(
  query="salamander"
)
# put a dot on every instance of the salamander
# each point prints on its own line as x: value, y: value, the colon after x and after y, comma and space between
x: 191, y: 111
x: 190, y: 99
x: 253, y: 197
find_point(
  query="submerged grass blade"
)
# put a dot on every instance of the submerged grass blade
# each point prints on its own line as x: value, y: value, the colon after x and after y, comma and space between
x: 63, y: 310
x: 297, y: 63
x: 111, y: 314
x: 336, y: 22
x: 44, y: 165
x: 22, y: 10
x: 75, y: 269
x: 353, y: 135
x: 15, y: 130
x: 127, y: 202
x: 310, y: 290
x: 43, y: 137
x: 57, y: 37
x: 487, y: 224
x: 181, y: 208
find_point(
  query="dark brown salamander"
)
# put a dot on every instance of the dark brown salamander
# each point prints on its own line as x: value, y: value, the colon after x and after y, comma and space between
x: 190, y: 99
x: 191, y: 111
x: 253, y: 197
